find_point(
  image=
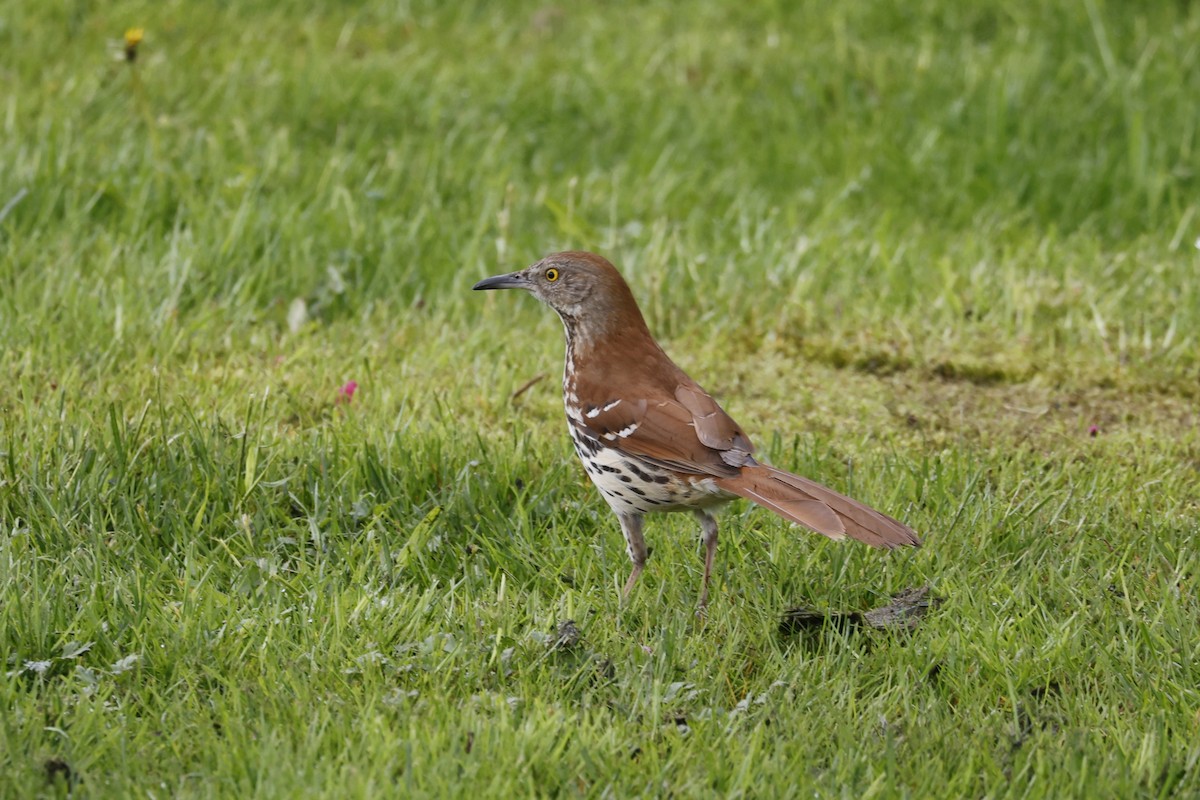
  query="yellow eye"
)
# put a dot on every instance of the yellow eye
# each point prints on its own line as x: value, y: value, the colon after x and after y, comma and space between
x: 552, y: 274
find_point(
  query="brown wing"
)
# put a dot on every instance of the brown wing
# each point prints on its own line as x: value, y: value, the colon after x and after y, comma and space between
x: 714, y: 428
x: 687, y: 432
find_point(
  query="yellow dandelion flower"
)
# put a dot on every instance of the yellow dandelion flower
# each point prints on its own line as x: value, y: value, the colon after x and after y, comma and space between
x: 133, y: 37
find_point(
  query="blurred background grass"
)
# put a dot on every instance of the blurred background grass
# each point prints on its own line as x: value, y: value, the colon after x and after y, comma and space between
x: 1013, y: 184
x: 919, y: 249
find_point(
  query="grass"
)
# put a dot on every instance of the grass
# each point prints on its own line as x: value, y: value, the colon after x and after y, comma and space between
x: 918, y: 249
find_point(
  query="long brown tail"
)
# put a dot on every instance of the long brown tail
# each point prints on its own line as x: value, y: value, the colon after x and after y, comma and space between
x: 817, y: 507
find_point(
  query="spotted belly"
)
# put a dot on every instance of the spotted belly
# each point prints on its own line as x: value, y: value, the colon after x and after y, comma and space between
x: 633, y: 486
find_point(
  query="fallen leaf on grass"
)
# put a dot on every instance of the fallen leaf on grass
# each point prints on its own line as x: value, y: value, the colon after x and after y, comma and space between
x: 566, y: 637
x: 905, y: 611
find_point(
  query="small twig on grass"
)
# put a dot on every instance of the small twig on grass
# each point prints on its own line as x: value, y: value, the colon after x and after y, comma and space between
x: 11, y: 204
x: 527, y: 386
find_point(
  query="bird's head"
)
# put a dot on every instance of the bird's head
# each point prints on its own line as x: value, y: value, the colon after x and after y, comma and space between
x: 579, y: 286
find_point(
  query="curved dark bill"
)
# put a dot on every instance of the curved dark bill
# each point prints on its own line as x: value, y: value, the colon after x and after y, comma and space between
x: 513, y: 280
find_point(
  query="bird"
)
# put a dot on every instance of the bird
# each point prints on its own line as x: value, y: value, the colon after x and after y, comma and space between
x: 650, y: 438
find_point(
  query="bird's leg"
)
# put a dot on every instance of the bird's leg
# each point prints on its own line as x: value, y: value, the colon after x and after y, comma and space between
x: 635, y: 544
x: 708, y: 526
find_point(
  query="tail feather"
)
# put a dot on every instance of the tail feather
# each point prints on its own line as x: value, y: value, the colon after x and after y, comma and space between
x: 815, y: 506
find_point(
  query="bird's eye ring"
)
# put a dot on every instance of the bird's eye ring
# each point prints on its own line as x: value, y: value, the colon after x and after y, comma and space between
x: 552, y: 274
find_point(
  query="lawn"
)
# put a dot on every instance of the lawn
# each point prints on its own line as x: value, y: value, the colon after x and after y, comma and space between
x: 940, y: 256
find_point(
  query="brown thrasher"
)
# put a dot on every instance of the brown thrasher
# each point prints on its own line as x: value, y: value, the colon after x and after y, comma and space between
x: 650, y: 438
